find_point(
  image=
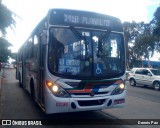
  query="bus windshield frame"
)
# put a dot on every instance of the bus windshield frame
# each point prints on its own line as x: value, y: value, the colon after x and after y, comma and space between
x: 81, y: 53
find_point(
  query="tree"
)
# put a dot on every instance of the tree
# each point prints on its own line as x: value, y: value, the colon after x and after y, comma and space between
x: 141, y: 42
x: 155, y: 23
x: 145, y: 45
x: 146, y: 42
x: 131, y: 32
x: 5, y: 52
x: 6, y: 19
x: 13, y: 56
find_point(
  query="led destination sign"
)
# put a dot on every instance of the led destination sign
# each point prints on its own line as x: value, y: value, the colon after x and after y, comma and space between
x: 84, y: 19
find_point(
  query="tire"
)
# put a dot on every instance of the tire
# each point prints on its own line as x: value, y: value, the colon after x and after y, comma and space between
x: 32, y: 90
x: 156, y: 85
x: 20, y: 81
x: 132, y: 82
x: 33, y: 94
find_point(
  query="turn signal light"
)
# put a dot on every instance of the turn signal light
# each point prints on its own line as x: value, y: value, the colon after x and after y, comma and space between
x: 49, y: 84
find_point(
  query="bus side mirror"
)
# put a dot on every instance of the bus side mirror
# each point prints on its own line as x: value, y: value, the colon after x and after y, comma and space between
x: 44, y: 37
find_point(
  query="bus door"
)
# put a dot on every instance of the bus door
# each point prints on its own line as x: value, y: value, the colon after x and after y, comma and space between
x: 41, y: 81
x: 24, y: 68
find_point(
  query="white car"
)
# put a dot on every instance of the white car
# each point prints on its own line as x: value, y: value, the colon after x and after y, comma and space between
x: 145, y: 76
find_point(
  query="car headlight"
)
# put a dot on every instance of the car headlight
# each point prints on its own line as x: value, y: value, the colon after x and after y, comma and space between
x: 57, y: 90
x: 119, y: 89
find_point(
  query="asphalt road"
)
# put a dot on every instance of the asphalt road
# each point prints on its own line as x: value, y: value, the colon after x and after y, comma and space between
x: 141, y: 103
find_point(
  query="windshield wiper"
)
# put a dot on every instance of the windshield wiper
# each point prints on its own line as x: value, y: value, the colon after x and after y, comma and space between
x: 80, y: 37
x: 76, y: 33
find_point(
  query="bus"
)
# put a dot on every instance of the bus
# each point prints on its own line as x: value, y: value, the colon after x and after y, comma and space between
x: 74, y: 61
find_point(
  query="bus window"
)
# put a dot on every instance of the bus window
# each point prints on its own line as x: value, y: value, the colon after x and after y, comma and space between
x: 35, y: 46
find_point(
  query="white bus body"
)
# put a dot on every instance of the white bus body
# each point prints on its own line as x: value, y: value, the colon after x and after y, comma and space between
x: 74, y: 61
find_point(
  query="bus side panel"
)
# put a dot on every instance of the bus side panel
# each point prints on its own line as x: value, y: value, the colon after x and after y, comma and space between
x: 17, y: 67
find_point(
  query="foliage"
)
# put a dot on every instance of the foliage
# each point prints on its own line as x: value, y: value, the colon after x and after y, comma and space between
x: 156, y: 28
x: 13, y: 56
x: 156, y: 22
x: 6, y: 19
x: 142, y: 40
x: 130, y: 33
x: 146, y: 44
x: 5, y: 52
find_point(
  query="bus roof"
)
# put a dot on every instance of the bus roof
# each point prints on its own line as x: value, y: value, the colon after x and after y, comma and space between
x: 79, y: 18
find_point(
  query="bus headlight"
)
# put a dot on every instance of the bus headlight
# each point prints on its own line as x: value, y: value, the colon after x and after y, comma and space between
x: 119, y: 89
x: 121, y: 86
x: 57, y: 90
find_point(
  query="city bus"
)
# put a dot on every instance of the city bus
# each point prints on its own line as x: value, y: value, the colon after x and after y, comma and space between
x: 74, y: 61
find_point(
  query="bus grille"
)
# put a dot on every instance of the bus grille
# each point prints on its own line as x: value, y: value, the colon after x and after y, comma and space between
x: 91, y: 102
x: 85, y: 95
x: 96, y: 93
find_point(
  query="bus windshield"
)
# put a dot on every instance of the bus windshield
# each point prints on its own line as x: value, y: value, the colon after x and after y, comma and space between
x: 77, y: 52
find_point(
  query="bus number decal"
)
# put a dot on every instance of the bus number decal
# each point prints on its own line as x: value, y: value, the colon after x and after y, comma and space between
x: 62, y: 104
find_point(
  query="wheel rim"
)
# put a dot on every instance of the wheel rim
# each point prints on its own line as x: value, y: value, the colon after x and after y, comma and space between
x: 156, y: 86
x: 132, y: 82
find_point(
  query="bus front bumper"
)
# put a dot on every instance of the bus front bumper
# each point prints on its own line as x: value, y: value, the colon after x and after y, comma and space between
x: 62, y: 105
